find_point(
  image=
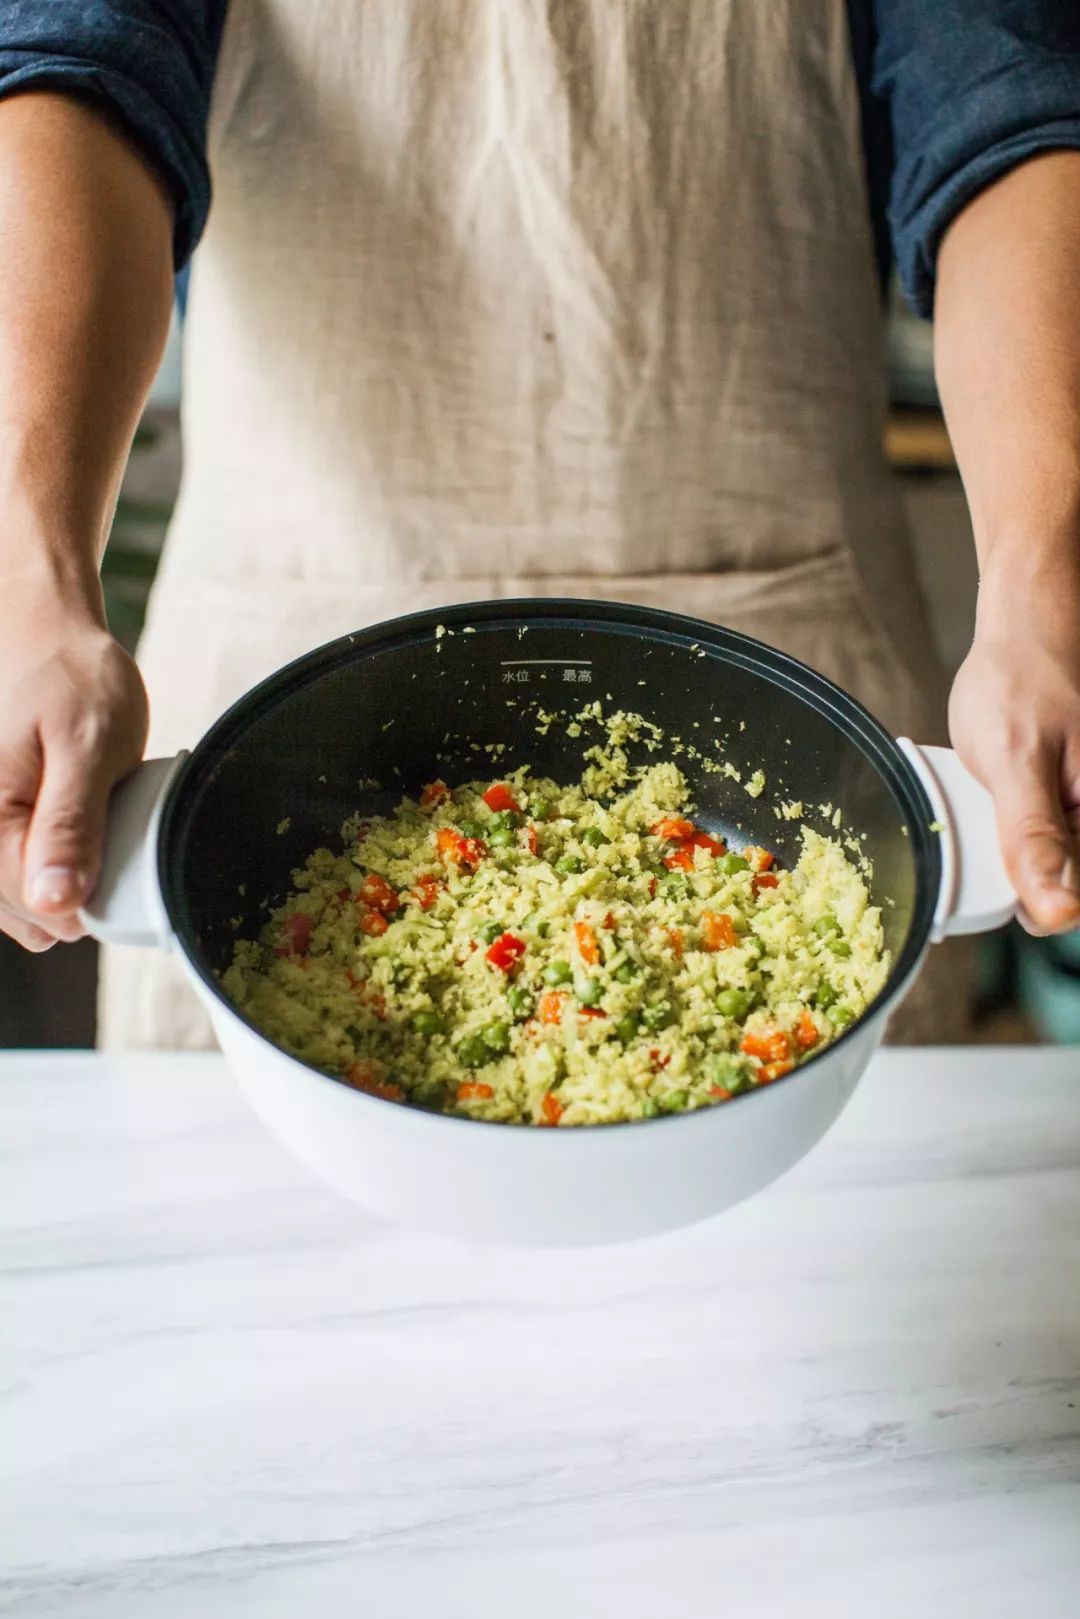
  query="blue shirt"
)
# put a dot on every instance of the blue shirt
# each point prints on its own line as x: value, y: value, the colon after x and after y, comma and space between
x: 953, y: 94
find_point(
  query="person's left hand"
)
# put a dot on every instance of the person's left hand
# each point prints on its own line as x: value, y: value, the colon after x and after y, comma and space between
x: 1014, y: 716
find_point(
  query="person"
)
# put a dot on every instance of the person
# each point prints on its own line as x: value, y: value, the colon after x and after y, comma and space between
x: 499, y: 298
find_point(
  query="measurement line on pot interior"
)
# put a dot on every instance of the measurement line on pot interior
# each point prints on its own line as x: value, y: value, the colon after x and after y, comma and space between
x: 508, y: 662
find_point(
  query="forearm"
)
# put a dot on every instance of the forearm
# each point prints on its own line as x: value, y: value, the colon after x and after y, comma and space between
x: 1007, y: 348
x: 85, y: 298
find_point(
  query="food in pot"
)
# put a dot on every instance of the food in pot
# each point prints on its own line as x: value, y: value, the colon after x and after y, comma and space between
x: 529, y: 953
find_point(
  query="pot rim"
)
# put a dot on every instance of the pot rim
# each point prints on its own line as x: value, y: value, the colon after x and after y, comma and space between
x: 778, y: 668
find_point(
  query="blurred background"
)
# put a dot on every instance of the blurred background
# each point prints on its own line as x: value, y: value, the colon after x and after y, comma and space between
x: 1027, y: 989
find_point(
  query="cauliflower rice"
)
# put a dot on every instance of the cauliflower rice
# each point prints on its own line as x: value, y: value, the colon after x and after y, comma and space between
x: 529, y: 953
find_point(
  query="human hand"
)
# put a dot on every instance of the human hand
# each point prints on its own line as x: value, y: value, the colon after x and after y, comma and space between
x: 73, y: 723
x: 1014, y: 716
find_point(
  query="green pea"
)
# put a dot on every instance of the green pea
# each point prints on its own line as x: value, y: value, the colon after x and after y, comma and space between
x: 626, y: 972
x: 675, y: 885
x: 501, y: 838
x: 825, y: 996
x: 649, y: 1109
x: 593, y: 836
x: 840, y: 1016
x: 473, y: 1052
x: 727, y: 1071
x: 569, y: 865
x: 428, y: 1023
x: 519, y: 1001
x: 731, y: 863
x: 733, y: 1003
x: 432, y: 1097
x: 825, y: 925
x: 674, y: 1101
x: 496, y: 1036
x: 660, y: 1015
x: 627, y: 1027
x: 589, y: 991
x: 504, y: 819
x: 558, y: 972
x: 840, y: 949
x: 470, y: 829
x: 540, y: 809
x: 488, y: 932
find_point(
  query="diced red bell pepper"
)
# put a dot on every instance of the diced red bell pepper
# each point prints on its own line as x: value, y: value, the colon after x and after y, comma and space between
x: 377, y: 892
x: 681, y: 860
x: 760, y: 859
x: 499, y: 797
x: 528, y: 839
x: 506, y: 952
x: 704, y: 840
x: 459, y: 851
x: 373, y: 923
x: 298, y: 931
x: 434, y: 794
x: 765, y: 879
x: 426, y: 892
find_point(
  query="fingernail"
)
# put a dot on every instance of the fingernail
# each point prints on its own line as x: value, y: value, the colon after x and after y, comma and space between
x: 1069, y: 879
x: 56, y: 885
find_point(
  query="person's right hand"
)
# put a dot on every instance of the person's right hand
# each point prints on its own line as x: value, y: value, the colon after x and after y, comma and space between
x: 73, y: 722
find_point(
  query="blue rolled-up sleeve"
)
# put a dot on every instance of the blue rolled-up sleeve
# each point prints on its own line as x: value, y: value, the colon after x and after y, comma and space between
x: 973, y: 88
x: 150, y: 63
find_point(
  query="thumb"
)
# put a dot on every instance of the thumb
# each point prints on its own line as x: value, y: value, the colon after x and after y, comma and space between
x: 62, y: 853
x: 1040, y: 851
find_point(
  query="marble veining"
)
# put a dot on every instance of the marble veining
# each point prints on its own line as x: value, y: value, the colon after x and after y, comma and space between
x: 225, y: 1391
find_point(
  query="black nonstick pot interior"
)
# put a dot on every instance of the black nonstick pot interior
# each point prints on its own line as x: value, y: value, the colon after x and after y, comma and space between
x: 404, y: 702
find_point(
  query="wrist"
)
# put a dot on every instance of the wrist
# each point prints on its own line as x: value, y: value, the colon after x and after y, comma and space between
x: 1031, y: 587
x: 45, y: 586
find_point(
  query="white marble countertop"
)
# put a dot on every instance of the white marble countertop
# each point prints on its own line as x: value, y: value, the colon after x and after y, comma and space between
x: 225, y: 1392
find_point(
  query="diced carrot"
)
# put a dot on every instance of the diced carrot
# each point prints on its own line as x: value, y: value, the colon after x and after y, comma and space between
x: 528, y: 839
x: 657, y: 1061
x: 550, y: 1007
x: 717, y: 931
x: 373, y: 923
x: 675, y: 939
x: 609, y: 922
x: 774, y: 1070
x: 765, y: 879
x: 551, y: 1109
x: 681, y: 860
x: 377, y: 1001
x: 471, y: 853
x: 591, y: 1011
x: 587, y: 942
x: 377, y: 892
x: 474, y: 1090
x: 673, y: 828
x: 772, y: 1046
x: 652, y: 887
x: 426, y: 892
x: 806, y: 1032
x: 499, y: 797
x: 434, y: 794
x: 760, y: 859
x: 719, y: 1092
x: 506, y: 952
x: 366, y: 1075
x: 298, y: 931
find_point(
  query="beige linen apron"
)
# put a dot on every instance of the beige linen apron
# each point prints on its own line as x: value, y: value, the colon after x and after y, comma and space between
x: 512, y: 297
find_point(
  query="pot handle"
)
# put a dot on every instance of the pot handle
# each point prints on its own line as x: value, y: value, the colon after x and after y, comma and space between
x: 976, y: 894
x: 126, y: 905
